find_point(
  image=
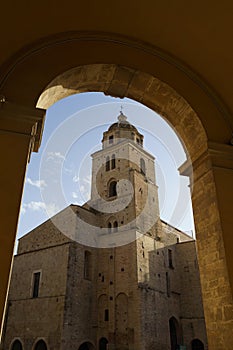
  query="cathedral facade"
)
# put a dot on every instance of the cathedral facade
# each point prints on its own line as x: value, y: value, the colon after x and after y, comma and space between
x: 109, y: 274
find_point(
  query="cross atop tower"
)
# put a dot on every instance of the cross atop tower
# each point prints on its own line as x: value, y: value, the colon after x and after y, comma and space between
x: 122, y: 118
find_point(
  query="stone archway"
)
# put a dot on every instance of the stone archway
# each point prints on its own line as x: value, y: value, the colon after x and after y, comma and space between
x: 122, y: 81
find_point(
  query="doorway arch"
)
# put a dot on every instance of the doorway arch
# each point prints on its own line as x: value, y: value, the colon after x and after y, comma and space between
x: 103, y: 343
x: 174, y: 333
x: 17, y: 345
x: 86, y: 346
x: 197, y: 344
x: 41, y: 345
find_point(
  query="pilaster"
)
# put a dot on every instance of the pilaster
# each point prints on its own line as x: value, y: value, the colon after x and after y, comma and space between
x: 20, y: 129
x: 212, y: 204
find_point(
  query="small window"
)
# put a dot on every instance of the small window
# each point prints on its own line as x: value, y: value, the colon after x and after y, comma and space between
x: 110, y: 139
x: 112, y: 189
x: 113, y: 161
x: 106, y: 315
x: 36, y: 284
x: 168, y: 284
x: 138, y: 141
x: 142, y: 166
x: 170, y: 260
x: 115, y: 226
x: 107, y: 164
x: 87, y: 265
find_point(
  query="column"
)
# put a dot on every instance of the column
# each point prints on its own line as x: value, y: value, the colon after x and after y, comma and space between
x: 20, y: 134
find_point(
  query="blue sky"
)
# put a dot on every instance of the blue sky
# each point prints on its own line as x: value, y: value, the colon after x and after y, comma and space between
x: 60, y: 173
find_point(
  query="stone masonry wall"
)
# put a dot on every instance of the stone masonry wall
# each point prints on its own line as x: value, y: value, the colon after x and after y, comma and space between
x: 31, y: 318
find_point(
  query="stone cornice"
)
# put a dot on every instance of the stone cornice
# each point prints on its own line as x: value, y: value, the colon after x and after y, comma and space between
x: 22, y: 120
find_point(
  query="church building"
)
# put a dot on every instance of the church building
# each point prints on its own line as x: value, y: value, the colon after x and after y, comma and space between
x: 110, y: 274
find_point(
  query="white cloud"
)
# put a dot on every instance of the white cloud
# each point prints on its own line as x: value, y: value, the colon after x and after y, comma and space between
x: 75, y: 178
x: 74, y: 195
x: 52, y: 209
x: 67, y: 170
x: 55, y: 156
x: 86, y: 179
x: 82, y: 189
x: 34, y: 206
x: 36, y: 183
x: 23, y: 210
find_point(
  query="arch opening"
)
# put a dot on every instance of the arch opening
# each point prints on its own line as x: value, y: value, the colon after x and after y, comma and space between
x: 86, y: 346
x: 197, y: 344
x: 17, y: 345
x: 113, y: 161
x: 115, y: 226
x: 107, y: 168
x: 174, y: 333
x: 103, y: 344
x: 40, y: 345
x: 112, y: 189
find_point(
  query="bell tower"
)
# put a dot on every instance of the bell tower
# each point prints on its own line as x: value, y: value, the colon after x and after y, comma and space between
x: 123, y: 181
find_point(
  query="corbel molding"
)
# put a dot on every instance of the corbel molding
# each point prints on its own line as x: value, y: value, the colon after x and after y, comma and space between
x: 217, y: 155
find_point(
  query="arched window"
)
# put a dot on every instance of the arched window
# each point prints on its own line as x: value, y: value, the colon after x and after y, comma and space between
x: 115, y: 226
x: 17, y: 345
x: 41, y: 345
x: 87, y: 265
x: 113, y: 162
x: 112, y: 189
x: 142, y: 166
x: 107, y: 163
x: 109, y: 227
x: 103, y: 344
x: 197, y: 344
